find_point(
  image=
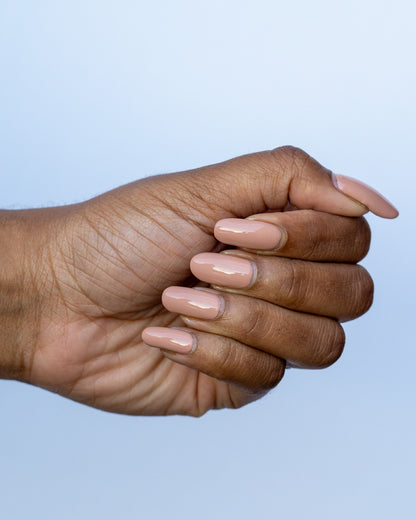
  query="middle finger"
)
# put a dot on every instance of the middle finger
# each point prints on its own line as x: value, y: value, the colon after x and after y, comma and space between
x: 341, y: 291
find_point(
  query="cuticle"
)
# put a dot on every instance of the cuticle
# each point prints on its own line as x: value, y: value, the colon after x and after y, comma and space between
x: 221, y: 299
x: 219, y: 314
x: 253, y: 276
x: 221, y: 309
x: 283, y: 239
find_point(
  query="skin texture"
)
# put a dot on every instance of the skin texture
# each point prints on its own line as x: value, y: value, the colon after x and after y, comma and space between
x: 84, y: 281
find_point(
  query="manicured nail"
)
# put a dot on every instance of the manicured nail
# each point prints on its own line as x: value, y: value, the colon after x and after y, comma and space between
x: 252, y: 234
x: 368, y: 196
x: 167, y: 338
x: 226, y: 270
x: 193, y: 302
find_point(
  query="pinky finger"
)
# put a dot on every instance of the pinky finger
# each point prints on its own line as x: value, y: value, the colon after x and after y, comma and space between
x: 223, y: 358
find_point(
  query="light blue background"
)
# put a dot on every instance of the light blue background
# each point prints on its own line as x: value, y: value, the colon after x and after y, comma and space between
x: 94, y: 94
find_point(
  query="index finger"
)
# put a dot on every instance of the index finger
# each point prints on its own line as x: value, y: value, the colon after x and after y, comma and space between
x: 303, y: 234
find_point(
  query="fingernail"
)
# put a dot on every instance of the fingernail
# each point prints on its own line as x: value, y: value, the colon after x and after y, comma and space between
x: 175, y: 340
x: 193, y: 302
x: 368, y: 196
x: 226, y: 270
x: 253, y: 234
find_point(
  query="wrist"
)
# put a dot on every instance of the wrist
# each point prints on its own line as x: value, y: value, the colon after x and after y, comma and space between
x: 19, y: 298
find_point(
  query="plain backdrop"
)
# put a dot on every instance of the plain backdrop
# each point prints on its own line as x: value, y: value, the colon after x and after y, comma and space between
x: 94, y: 94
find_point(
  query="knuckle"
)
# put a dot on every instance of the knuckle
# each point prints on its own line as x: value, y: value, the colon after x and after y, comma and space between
x: 258, y: 372
x: 289, y: 152
x: 363, y: 238
x: 365, y: 292
x: 228, y: 359
x: 294, y: 283
x: 291, y: 158
x: 331, y: 344
x: 314, y: 242
x: 272, y: 373
x: 252, y: 322
x: 358, y: 297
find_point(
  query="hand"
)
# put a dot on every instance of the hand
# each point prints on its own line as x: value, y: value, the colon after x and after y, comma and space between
x: 94, y: 274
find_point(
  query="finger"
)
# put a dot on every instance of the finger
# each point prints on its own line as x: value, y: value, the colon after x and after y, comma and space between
x: 220, y: 357
x: 273, y: 179
x: 304, y: 234
x: 303, y: 339
x: 341, y: 291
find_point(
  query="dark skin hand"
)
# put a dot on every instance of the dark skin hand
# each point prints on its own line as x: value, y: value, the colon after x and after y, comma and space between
x: 82, y: 282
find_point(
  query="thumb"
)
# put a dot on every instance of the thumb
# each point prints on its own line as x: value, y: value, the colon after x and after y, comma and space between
x: 273, y: 179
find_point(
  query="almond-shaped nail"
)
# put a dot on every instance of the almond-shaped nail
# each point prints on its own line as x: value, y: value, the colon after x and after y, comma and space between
x: 368, y: 196
x: 226, y: 270
x: 171, y: 339
x: 192, y: 302
x: 252, y: 234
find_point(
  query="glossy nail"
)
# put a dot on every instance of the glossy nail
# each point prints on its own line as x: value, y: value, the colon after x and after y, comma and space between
x: 252, y: 234
x: 171, y: 339
x: 197, y: 303
x: 366, y: 195
x: 226, y: 270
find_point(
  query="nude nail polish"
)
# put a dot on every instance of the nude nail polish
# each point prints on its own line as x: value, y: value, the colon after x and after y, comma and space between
x: 226, y: 270
x: 366, y: 195
x: 171, y: 339
x: 196, y: 303
x: 252, y: 234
